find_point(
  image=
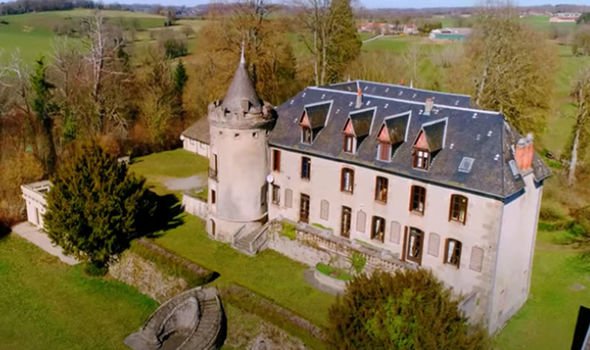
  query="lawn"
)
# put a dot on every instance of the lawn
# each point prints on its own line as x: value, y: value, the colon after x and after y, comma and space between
x: 49, y: 305
x: 269, y: 273
x: 560, y: 284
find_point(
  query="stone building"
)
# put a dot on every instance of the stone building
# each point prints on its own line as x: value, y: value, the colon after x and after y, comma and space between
x: 419, y: 178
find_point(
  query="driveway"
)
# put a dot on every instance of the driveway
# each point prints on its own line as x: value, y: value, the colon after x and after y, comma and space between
x: 39, y: 238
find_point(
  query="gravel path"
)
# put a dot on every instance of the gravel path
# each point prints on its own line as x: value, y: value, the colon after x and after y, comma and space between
x: 185, y: 183
x: 40, y: 239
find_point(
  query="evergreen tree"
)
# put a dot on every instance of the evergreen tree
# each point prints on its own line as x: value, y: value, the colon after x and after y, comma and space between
x: 94, y: 207
x: 410, y: 309
x: 45, y: 110
x: 344, y: 44
x: 180, y: 79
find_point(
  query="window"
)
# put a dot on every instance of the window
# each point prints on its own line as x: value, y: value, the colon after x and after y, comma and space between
x: 384, y: 151
x: 306, y: 135
x: 453, y: 252
x: 263, y: 195
x: 347, y: 180
x: 213, y: 197
x: 421, y: 159
x: 349, y: 141
x: 417, y: 199
x: 276, y: 160
x: 345, y: 222
x: 305, y: 168
x: 381, y: 184
x: 304, y: 208
x: 378, y: 229
x: 415, y: 245
x: 213, y: 167
x: 276, y: 194
x: 458, y: 210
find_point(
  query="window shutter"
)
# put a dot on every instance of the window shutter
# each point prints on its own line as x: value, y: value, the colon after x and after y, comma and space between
x: 476, y: 260
x: 324, y: 209
x: 395, y: 232
x: 288, y: 198
x: 433, y: 244
x: 361, y: 219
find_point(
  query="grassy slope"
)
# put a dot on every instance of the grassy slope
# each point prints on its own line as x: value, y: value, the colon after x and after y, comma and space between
x: 49, y: 305
x: 548, y: 318
x: 269, y: 273
x: 32, y: 33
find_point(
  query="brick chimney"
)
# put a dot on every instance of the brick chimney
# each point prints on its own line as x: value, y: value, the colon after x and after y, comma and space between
x: 428, y: 106
x: 524, y: 152
x: 359, y: 98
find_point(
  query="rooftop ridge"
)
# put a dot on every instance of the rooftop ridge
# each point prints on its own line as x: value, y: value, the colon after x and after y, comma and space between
x: 475, y: 110
x: 413, y: 88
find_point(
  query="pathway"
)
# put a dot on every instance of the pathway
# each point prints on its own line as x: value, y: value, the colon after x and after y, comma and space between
x: 39, y: 238
x: 373, y: 38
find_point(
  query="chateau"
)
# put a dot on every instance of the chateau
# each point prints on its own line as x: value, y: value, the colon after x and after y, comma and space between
x: 409, y: 177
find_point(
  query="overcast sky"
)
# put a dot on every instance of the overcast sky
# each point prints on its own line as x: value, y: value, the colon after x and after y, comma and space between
x: 375, y: 3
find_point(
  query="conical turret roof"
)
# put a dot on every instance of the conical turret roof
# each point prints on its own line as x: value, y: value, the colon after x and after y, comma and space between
x: 240, y: 89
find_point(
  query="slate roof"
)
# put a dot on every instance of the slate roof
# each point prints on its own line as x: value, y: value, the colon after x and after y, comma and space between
x: 198, y: 131
x: 240, y: 89
x: 481, y: 135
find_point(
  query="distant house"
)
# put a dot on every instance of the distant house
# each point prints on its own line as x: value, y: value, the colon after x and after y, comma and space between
x: 196, y: 138
x: 564, y: 17
x: 450, y: 34
x: 410, y: 29
x: 34, y: 196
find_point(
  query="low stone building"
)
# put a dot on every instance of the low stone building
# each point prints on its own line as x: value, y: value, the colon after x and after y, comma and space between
x: 407, y: 177
x: 196, y: 138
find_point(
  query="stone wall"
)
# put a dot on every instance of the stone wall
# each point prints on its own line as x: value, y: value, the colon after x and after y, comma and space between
x: 195, y: 206
x: 146, y: 277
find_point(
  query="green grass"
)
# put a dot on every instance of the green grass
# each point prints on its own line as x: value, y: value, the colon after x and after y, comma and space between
x: 49, y: 305
x: 334, y: 272
x: 548, y: 318
x: 269, y: 273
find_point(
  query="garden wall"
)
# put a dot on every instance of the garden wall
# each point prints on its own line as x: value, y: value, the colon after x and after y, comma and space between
x: 195, y: 206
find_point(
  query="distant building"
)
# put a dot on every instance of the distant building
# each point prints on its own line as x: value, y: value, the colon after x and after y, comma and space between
x: 450, y: 34
x: 564, y: 17
x: 410, y: 29
x: 34, y: 196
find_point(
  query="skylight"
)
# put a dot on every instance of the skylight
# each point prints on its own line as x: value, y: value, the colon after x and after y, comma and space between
x: 466, y: 165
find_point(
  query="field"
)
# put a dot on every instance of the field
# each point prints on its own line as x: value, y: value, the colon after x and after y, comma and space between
x: 49, y: 305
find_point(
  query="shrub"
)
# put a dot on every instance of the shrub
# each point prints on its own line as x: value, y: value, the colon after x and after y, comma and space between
x: 410, y: 309
x: 333, y: 272
x: 358, y: 262
x: 289, y: 231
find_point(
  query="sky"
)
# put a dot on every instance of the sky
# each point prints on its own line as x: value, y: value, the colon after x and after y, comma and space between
x: 376, y: 3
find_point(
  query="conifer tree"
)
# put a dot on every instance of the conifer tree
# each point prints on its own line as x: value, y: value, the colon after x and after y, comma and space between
x: 410, y: 309
x: 344, y: 44
x: 180, y: 79
x: 94, y: 207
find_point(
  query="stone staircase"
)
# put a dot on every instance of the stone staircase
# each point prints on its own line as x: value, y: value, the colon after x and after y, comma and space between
x: 252, y: 241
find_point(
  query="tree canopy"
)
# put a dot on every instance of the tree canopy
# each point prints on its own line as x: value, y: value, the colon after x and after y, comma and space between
x: 410, y: 309
x: 94, y: 207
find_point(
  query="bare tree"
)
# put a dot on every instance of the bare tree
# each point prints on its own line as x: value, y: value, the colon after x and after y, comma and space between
x: 581, y: 132
x: 316, y: 21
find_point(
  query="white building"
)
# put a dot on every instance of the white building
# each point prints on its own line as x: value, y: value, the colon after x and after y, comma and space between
x: 34, y: 196
x: 419, y: 176
x: 196, y: 138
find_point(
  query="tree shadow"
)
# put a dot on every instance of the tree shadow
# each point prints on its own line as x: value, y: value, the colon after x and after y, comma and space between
x: 161, y: 213
x: 4, y: 230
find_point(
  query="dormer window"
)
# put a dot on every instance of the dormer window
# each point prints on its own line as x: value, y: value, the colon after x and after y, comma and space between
x: 313, y: 120
x: 430, y: 141
x: 392, y: 134
x: 357, y: 128
x: 421, y: 159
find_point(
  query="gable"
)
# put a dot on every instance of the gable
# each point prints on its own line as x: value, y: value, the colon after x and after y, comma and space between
x: 421, y: 142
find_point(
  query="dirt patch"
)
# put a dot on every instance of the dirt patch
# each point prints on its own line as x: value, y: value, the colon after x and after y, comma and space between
x: 186, y: 183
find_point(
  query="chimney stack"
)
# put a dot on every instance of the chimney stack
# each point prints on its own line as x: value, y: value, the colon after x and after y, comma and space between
x: 524, y: 153
x: 428, y: 106
x: 359, y: 98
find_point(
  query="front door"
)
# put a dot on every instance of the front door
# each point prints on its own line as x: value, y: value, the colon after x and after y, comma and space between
x: 304, y: 208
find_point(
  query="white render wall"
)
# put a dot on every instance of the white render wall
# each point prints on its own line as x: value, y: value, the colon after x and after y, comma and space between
x: 195, y: 146
x: 34, y: 196
x: 515, y: 254
x: 242, y: 167
x: 481, y: 228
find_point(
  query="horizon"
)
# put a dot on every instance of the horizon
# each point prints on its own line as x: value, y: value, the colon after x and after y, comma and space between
x: 370, y: 4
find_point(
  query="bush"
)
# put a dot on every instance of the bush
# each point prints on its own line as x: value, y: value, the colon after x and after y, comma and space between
x: 333, y: 272
x: 410, y: 309
x: 552, y: 211
x: 289, y: 231
x: 358, y: 262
